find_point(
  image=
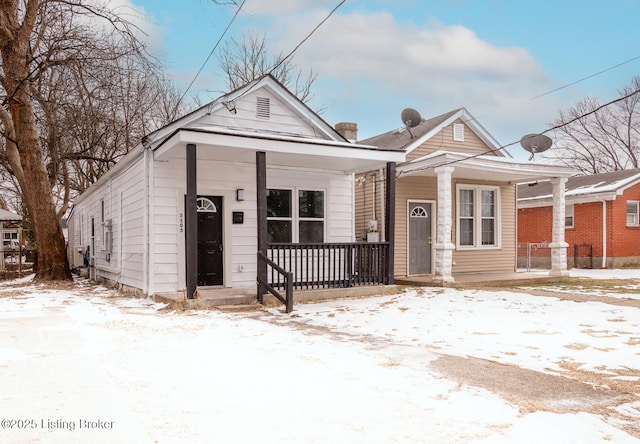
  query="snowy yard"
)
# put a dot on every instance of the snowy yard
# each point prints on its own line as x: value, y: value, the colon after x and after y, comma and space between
x: 83, y: 364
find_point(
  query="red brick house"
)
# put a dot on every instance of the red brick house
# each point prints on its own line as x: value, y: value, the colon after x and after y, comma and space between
x: 602, y: 218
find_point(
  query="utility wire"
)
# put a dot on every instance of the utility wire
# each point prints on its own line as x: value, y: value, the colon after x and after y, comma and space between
x: 281, y: 61
x: 573, y: 83
x: 553, y: 128
x: 211, y: 52
x: 585, y: 78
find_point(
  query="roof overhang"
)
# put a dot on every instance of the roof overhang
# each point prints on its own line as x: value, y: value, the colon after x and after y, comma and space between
x: 483, y: 168
x: 281, y: 150
x: 547, y: 200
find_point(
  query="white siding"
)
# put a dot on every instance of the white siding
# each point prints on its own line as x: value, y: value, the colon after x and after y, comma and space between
x: 123, y: 199
x: 281, y: 119
x: 167, y: 237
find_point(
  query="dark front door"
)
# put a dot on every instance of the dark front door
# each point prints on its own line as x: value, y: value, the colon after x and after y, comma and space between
x: 419, y: 238
x: 210, y: 244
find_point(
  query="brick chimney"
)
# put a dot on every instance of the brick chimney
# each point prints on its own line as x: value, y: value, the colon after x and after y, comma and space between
x: 348, y: 130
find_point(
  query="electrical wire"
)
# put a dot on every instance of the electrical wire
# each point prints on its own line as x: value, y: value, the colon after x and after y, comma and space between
x: 553, y: 128
x: 211, y: 52
x: 290, y: 54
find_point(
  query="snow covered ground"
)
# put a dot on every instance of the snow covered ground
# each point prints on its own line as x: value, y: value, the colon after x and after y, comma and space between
x: 83, y: 364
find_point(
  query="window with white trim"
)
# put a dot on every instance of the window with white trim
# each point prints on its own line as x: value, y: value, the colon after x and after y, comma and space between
x: 633, y: 211
x: 568, y: 216
x: 301, y: 220
x: 478, y: 221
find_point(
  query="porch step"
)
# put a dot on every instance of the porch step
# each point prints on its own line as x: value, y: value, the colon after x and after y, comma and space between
x: 206, y: 299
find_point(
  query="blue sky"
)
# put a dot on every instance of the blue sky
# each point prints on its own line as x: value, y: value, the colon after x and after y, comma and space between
x: 374, y: 58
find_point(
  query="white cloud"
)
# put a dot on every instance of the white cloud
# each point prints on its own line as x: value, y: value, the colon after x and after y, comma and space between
x: 371, y: 56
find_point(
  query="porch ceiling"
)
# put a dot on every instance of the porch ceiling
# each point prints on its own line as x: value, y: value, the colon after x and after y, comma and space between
x: 482, y: 168
x: 286, y: 151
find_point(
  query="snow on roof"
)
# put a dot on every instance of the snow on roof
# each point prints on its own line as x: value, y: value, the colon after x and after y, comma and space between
x: 594, y: 184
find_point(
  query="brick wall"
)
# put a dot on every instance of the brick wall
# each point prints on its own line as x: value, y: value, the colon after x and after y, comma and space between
x: 534, y: 225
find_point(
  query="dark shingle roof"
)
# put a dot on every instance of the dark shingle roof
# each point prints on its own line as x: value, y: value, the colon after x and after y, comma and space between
x: 398, y: 140
x: 590, y: 184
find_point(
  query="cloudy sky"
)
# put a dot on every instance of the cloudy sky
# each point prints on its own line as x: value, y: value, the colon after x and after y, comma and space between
x: 498, y: 58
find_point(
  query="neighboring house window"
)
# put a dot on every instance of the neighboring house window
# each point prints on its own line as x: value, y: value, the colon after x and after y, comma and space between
x: 568, y: 216
x: 458, y: 132
x: 9, y: 240
x: 300, y: 221
x: 478, y: 216
x: 632, y: 213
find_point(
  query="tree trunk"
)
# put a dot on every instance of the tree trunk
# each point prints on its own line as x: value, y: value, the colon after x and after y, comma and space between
x: 36, y: 188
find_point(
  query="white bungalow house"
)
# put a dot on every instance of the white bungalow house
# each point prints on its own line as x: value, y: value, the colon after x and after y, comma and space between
x: 255, y: 170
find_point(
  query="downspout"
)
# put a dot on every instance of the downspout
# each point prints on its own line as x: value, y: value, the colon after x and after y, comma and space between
x: 604, y: 234
x: 145, y: 223
x: 381, y: 225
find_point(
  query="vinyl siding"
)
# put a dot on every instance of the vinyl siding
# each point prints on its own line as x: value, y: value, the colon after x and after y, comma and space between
x: 484, y: 260
x: 281, y: 118
x: 444, y: 141
x: 410, y: 188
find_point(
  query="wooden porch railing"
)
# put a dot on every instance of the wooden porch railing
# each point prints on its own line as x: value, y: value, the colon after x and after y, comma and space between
x: 284, y: 276
x: 330, y: 265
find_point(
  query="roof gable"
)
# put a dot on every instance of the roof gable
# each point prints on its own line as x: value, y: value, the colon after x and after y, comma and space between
x: 263, y: 106
x: 408, y: 140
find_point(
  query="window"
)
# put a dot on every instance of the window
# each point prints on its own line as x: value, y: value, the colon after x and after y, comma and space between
x: 632, y: 213
x: 568, y: 216
x: 478, y: 216
x: 10, y: 239
x: 458, y: 132
x: 302, y: 223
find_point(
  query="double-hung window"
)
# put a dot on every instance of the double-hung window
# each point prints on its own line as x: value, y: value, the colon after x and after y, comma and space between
x: 633, y: 213
x: 478, y: 223
x: 568, y: 216
x: 295, y: 220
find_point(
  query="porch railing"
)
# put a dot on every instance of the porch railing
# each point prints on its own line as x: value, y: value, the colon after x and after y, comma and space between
x: 286, y: 277
x: 330, y: 265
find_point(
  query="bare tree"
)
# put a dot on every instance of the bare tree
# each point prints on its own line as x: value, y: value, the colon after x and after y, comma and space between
x: 248, y: 59
x: 596, y: 139
x: 60, y: 112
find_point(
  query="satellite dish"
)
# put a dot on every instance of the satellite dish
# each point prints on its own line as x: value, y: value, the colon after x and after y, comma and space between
x: 411, y: 118
x: 535, y: 143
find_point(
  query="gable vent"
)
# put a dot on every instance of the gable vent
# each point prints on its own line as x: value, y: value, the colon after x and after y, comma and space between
x: 263, y: 107
x: 458, y: 132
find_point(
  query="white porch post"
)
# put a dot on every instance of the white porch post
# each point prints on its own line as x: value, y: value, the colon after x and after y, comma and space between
x: 443, y: 246
x: 558, y: 246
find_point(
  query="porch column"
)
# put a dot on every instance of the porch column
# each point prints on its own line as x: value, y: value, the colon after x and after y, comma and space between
x: 261, y: 191
x: 558, y: 246
x: 191, y: 223
x: 390, y: 218
x: 443, y: 246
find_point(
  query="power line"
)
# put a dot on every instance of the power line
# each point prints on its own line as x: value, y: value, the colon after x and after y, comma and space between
x: 585, y: 78
x: 211, y: 52
x: 281, y: 61
x: 573, y: 83
x: 553, y: 128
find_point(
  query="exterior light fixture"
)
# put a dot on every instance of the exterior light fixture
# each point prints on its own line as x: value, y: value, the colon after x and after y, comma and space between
x: 240, y: 194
